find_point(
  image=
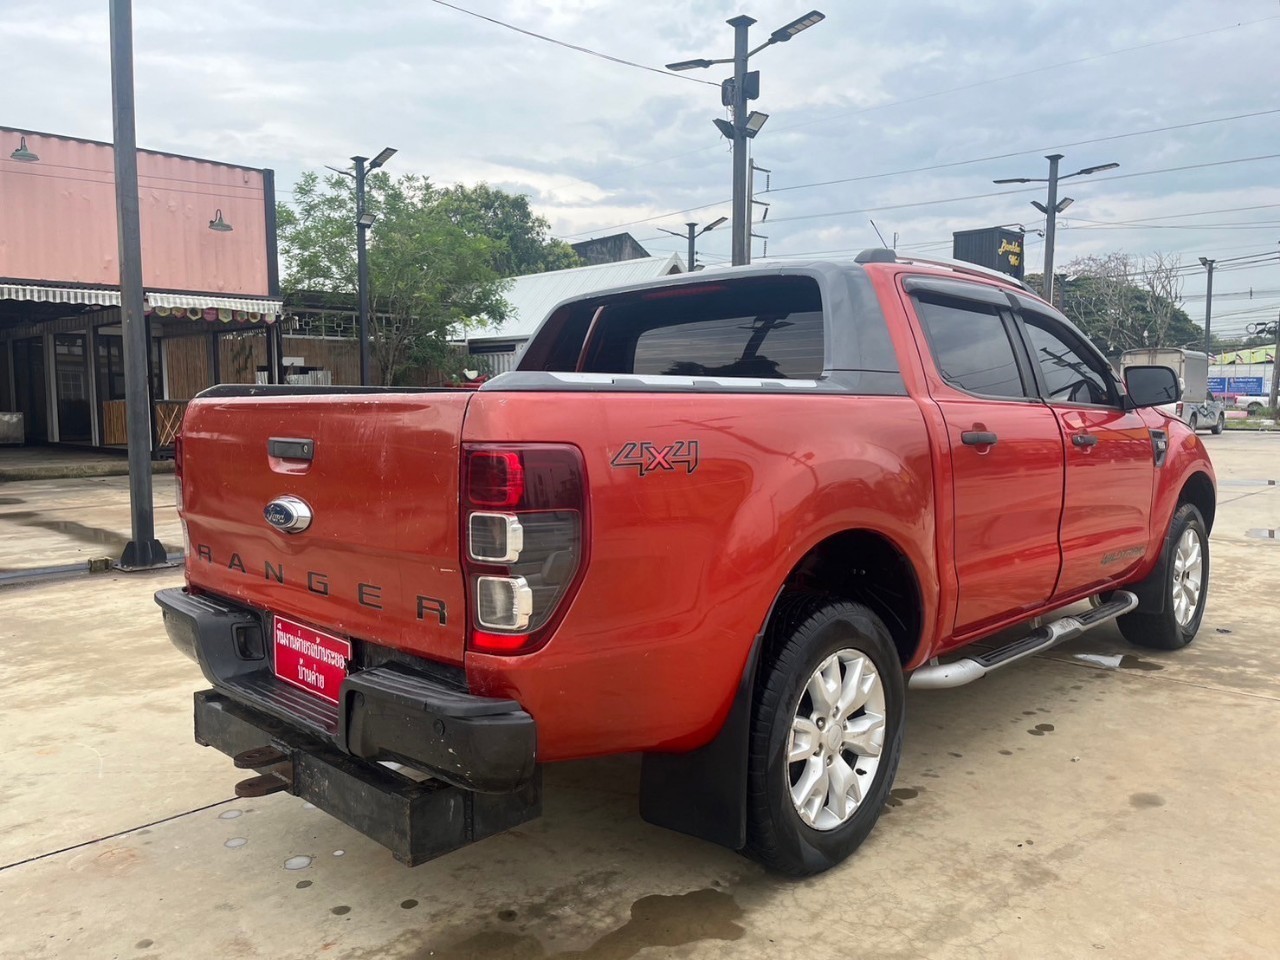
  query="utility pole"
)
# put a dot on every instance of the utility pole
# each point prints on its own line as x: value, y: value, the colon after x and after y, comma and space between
x: 735, y: 94
x: 362, y: 269
x: 691, y: 234
x: 741, y: 206
x: 1050, y: 227
x: 1052, y: 209
x: 1208, y: 300
x: 144, y: 550
x: 752, y: 203
x: 363, y: 222
x: 1275, y: 372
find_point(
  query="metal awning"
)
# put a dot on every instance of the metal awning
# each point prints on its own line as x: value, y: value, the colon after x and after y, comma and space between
x: 39, y: 294
x: 195, y: 306
x: 196, y: 301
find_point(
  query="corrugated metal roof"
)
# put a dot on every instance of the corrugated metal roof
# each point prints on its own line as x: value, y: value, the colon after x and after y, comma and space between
x: 532, y: 297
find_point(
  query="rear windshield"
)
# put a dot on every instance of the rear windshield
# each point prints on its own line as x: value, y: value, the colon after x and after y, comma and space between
x: 768, y: 328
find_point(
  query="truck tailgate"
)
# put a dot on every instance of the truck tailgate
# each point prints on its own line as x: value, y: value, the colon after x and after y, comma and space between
x: 379, y: 561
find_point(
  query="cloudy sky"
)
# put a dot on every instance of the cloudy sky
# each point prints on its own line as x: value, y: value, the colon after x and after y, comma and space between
x: 869, y: 97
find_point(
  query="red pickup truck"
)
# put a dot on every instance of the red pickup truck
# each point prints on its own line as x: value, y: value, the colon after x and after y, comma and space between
x: 722, y: 520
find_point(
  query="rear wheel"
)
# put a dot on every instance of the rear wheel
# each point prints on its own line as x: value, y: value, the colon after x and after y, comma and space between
x: 1185, y: 577
x: 825, y: 741
x: 1194, y: 423
x: 1222, y: 422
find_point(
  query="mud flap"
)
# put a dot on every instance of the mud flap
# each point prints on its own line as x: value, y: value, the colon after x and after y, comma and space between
x: 703, y: 793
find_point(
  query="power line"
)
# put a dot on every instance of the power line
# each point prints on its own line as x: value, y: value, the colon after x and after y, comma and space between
x: 1020, y: 153
x: 954, y: 163
x: 974, y: 85
x: 572, y: 46
x: 1006, y: 193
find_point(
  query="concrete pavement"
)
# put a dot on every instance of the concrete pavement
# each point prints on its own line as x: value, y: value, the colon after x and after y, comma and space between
x: 56, y: 522
x: 1097, y: 801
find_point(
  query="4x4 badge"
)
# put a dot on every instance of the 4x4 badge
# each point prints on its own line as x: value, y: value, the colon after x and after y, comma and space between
x: 648, y: 457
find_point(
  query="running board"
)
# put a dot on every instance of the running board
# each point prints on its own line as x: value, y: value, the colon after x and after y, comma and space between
x: 935, y: 676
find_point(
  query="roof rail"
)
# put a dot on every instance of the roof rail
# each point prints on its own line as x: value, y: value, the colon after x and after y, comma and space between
x: 963, y: 266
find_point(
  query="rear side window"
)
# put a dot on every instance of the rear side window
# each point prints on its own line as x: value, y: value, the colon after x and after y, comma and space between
x: 971, y: 346
x: 767, y: 328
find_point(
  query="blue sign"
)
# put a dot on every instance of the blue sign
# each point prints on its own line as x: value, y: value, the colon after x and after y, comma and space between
x: 1239, y: 386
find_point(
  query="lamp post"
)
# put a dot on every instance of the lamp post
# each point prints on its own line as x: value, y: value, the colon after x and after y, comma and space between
x: 1052, y: 208
x: 363, y: 222
x: 735, y: 92
x: 691, y: 234
x: 143, y: 550
x: 1208, y: 299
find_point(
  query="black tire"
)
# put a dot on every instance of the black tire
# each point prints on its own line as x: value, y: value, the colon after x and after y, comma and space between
x: 1254, y: 409
x: 1162, y: 631
x: 1194, y: 423
x: 1218, y: 427
x: 803, y: 638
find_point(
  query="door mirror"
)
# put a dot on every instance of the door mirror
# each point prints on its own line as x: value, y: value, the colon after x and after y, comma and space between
x: 1151, y: 386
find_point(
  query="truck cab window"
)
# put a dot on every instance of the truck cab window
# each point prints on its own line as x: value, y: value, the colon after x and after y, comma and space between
x: 1071, y: 373
x: 971, y: 346
x: 771, y: 328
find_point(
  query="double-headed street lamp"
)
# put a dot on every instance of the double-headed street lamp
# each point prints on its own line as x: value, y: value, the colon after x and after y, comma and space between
x: 734, y: 93
x: 691, y: 234
x: 1053, y: 208
x: 363, y: 222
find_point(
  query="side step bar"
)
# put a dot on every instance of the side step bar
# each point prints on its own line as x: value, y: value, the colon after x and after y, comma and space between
x: 935, y: 676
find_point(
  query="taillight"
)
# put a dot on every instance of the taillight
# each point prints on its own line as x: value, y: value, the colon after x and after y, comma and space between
x: 523, y: 525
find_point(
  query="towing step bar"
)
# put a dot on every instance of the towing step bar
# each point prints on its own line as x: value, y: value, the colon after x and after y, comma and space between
x: 935, y: 676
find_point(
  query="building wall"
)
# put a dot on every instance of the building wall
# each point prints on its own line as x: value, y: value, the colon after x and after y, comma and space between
x: 340, y: 357
x: 240, y: 355
x: 59, y: 222
x: 187, y: 366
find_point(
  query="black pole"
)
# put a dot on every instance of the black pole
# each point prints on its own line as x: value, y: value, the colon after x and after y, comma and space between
x: 693, y: 252
x: 144, y: 550
x: 741, y: 218
x: 362, y: 270
x: 1050, y: 227
x: 1208, y: 300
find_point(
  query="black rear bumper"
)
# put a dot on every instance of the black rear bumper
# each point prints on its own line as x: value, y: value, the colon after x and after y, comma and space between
x: 386, y: 712
x: 417, y: 822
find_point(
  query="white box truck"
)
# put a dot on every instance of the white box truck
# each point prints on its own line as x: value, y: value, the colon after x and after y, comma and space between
x: 1199, y: 408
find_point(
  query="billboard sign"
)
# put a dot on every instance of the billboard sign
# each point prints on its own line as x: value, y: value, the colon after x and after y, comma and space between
x: 997, y: 248
x: 1237, y: 386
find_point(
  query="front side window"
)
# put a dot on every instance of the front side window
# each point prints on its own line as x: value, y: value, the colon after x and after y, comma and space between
x: 971, y: 346
x: 1071, y: 374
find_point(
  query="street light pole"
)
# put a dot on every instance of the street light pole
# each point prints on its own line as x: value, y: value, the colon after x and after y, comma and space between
x: 1052, y: 209
x: 741, y: 220
x: 691, y: 234
x: 1208, y: 299
x: 144, y: 550
x: 745, y: 87
x: 362, y: 269
x: 1050, y: 227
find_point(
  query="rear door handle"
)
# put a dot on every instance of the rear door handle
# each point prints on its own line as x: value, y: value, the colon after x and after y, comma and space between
x: 1084, y: 440
x: 978, y: 438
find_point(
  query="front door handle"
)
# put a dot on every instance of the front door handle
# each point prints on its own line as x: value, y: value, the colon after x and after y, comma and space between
x: 978, y: 438
x: 1084, y: 440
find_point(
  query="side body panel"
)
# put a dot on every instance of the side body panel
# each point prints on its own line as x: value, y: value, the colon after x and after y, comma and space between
x: 686, y: 562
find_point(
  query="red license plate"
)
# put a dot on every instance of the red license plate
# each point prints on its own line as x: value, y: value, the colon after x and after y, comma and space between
x: 309, y: 659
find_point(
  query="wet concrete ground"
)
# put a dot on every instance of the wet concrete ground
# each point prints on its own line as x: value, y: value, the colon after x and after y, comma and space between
x: 1097, y: 801
x: 56, y: 522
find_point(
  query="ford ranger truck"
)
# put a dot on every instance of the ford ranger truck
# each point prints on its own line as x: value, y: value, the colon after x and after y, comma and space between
x: 722, y: 520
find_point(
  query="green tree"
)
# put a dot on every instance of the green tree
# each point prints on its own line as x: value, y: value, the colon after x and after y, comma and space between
x: 526, y: 242
x: 436, y: 259
x: 1123, y: 302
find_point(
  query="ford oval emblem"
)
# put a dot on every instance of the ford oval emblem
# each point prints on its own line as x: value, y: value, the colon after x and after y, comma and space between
x: 290, y: 514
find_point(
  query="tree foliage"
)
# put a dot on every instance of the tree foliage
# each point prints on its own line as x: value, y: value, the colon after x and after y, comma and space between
x: 436, y: 258
x: 1124, y: 302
